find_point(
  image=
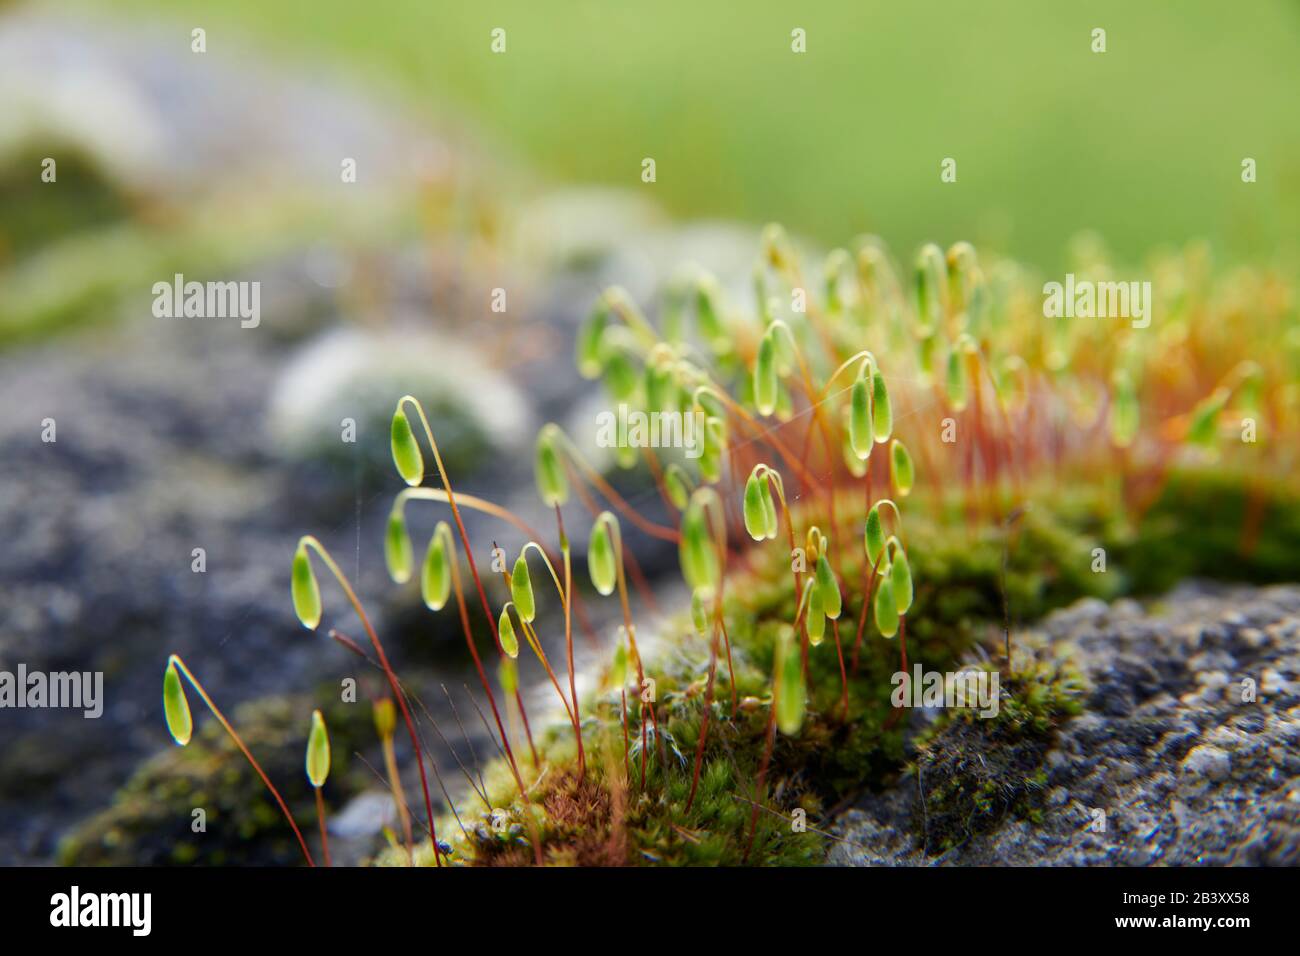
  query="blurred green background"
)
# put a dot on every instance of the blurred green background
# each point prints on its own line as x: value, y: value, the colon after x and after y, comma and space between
x: 1143, y: 143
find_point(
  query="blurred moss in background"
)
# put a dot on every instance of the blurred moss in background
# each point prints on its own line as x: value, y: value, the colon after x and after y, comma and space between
x: 1142, y: 143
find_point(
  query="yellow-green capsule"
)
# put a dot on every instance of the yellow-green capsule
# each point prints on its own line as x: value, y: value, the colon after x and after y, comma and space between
x: 385, y: 715
x: 857, y: 469
x: 765, y: 378
x: 901, y: 469
x: 591, y: 340
x: 829, y: 587
x: 304, y: 590
x: 713, y: 444
x: 701, y: 614
x: 882, y: 415
x: 175, y: 707
x: 860, y: 428
x: 397, y: 547
x: 931, y: 271
x: 435, y: 573
x: 602, y: 563
x: 900, y: 581
x: 755, y: 511
x: 699, y: 560
x: 1124, y: 411
x: 552, y: 483
x: 521, y: 590
x: 790, y: 687
x: 661, y: 389
x: 406, y: 451
x: 508, y: 673
x: 886, y: 605
x: 956, y: 380
x: 506, y: 634
x: 1204, y: 426
x: 874, y: 536
x: 618, y: 667
x: 675, y: 483
x: 318, y: 751
x: 621, y: 377
x: 708, y: 313
x: 815, y: 617
x: 769, y: 509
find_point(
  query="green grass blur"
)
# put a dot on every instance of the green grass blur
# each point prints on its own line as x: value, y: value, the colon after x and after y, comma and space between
x: 1142, y: 143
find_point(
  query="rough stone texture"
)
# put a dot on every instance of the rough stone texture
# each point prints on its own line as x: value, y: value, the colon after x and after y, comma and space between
x: 1185, y: 771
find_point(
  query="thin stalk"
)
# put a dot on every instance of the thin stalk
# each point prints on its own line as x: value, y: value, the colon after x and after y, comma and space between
x: 311, y: 542
x: 324, y: 836
x: 399, y: 797
x: 473, y: 566
x: 568, y: 638
x: 221, y: 718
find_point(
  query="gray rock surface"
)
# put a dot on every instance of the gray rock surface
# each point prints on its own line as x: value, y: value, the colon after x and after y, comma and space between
x: 1186, y: 767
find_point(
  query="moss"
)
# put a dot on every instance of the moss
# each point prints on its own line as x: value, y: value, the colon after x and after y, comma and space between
x: 975, y: 771
x: 972, y: 771
x: 149, y: 820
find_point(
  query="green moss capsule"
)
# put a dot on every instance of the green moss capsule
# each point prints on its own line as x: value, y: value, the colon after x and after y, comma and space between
x: 956, y: 380
x: 769, y: 509
x: 860, y: 425
x: 901, y: 469
x: 708, y: 313
x: 508, y: 674
x: 701, y: 612
x: 698, y: 558
x: 790, y: 687
x: 385, y: 715
x: 886, y: 605
x: 552, y: 482
x: 765, y: 377
x: 1124, y: 412
x: 882, y: 415
x: 931, y: 273
x: 318, y: 751
x: 398, y: 555
x: 677, y: 485
x: 406, y: 451
x: 618, y: 667
x: 1203, y: 428
x: 755, y: 510
x: 602, y: 563
x: 506, y: 634
x: 828, y: 587
x: 304, y: 590
x: 621, y: 378
x: 815, y: 617
x: 591, y: 338
x: 175, y: 707
x: 900, y: 581
x: 521, y: 590
x: 874, y: 535
x: 435, y: 573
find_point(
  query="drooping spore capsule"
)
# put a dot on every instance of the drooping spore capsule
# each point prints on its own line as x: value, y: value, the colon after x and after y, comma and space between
x: 304, y: 590
x: 175, y: 707
x: 318, y: 751
x: 406, y: 451
x: 521, y: 590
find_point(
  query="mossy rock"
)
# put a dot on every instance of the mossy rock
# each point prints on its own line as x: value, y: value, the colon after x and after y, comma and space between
x: 970, y: 582
x: 149, y: 822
